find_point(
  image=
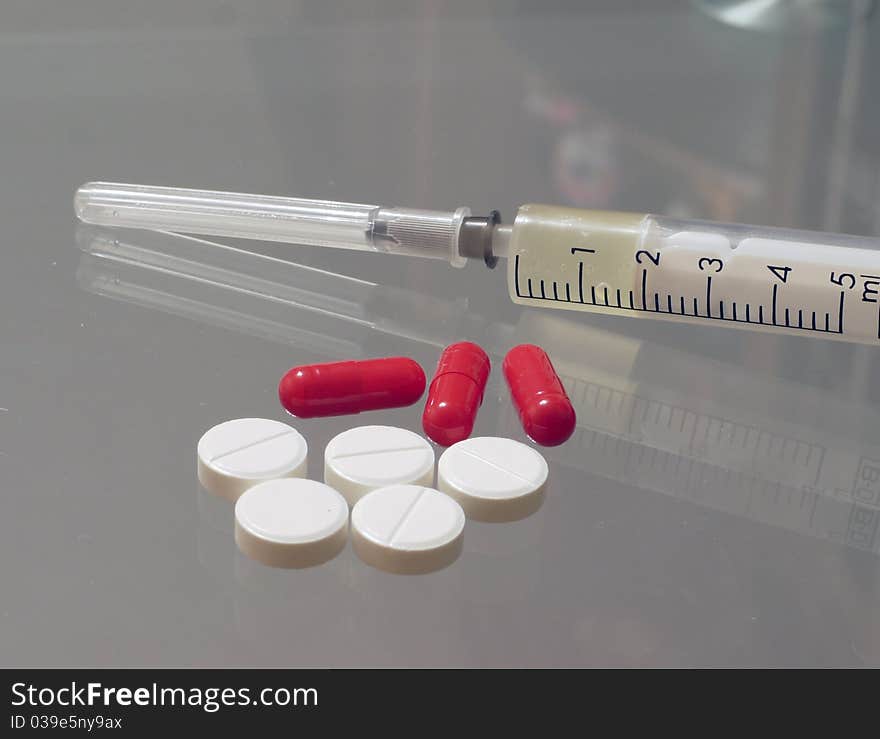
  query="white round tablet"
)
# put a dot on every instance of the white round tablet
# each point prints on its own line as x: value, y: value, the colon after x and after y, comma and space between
x: 369, y: 457
x: 494, y: 479
x: 238, y: 454
x: 291, y: 523
x: 407, y: 529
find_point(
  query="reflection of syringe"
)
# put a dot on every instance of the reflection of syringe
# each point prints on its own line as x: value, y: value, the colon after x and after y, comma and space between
x: 640, y: 265
x: 226, y: 285
x: 756, y: 453
x: 804, y: 509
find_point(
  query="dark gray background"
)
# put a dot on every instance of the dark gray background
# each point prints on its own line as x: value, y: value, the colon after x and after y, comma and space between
x: 716, y: 506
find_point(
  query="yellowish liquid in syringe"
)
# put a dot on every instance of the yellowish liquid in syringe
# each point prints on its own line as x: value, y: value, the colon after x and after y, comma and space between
x: 637, y: 265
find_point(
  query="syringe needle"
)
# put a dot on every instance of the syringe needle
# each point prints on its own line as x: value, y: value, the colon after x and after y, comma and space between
x: 416, y: 232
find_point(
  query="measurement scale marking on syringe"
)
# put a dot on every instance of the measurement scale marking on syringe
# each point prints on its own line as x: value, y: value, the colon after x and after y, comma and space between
x: 832, y: 324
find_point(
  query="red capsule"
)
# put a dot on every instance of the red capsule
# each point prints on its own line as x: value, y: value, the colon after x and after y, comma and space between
x: 342, y: 388
x: 544, y: 409
x: 456, y: 393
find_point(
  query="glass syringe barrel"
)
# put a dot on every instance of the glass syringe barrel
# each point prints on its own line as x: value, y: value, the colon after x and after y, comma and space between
x: 415, y: 232
x: 800, y: 282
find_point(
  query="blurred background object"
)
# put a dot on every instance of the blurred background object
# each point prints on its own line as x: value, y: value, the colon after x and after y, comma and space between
x: 786, y: 16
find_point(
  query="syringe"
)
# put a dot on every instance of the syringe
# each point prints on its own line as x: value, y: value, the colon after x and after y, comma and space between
x: 635, y: 264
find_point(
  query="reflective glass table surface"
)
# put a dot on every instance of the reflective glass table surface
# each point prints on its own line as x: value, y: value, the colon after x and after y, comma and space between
x: 719, y: 503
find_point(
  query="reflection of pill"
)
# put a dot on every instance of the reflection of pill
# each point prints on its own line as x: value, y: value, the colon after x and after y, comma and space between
x: 407, y: 529
x: 238, y: 454
x: 456, y: 393
x: 545, y: 411
x: 493, y: 479
x: 368, y: 457
x: 291, y: 523
x: 341, y: 388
